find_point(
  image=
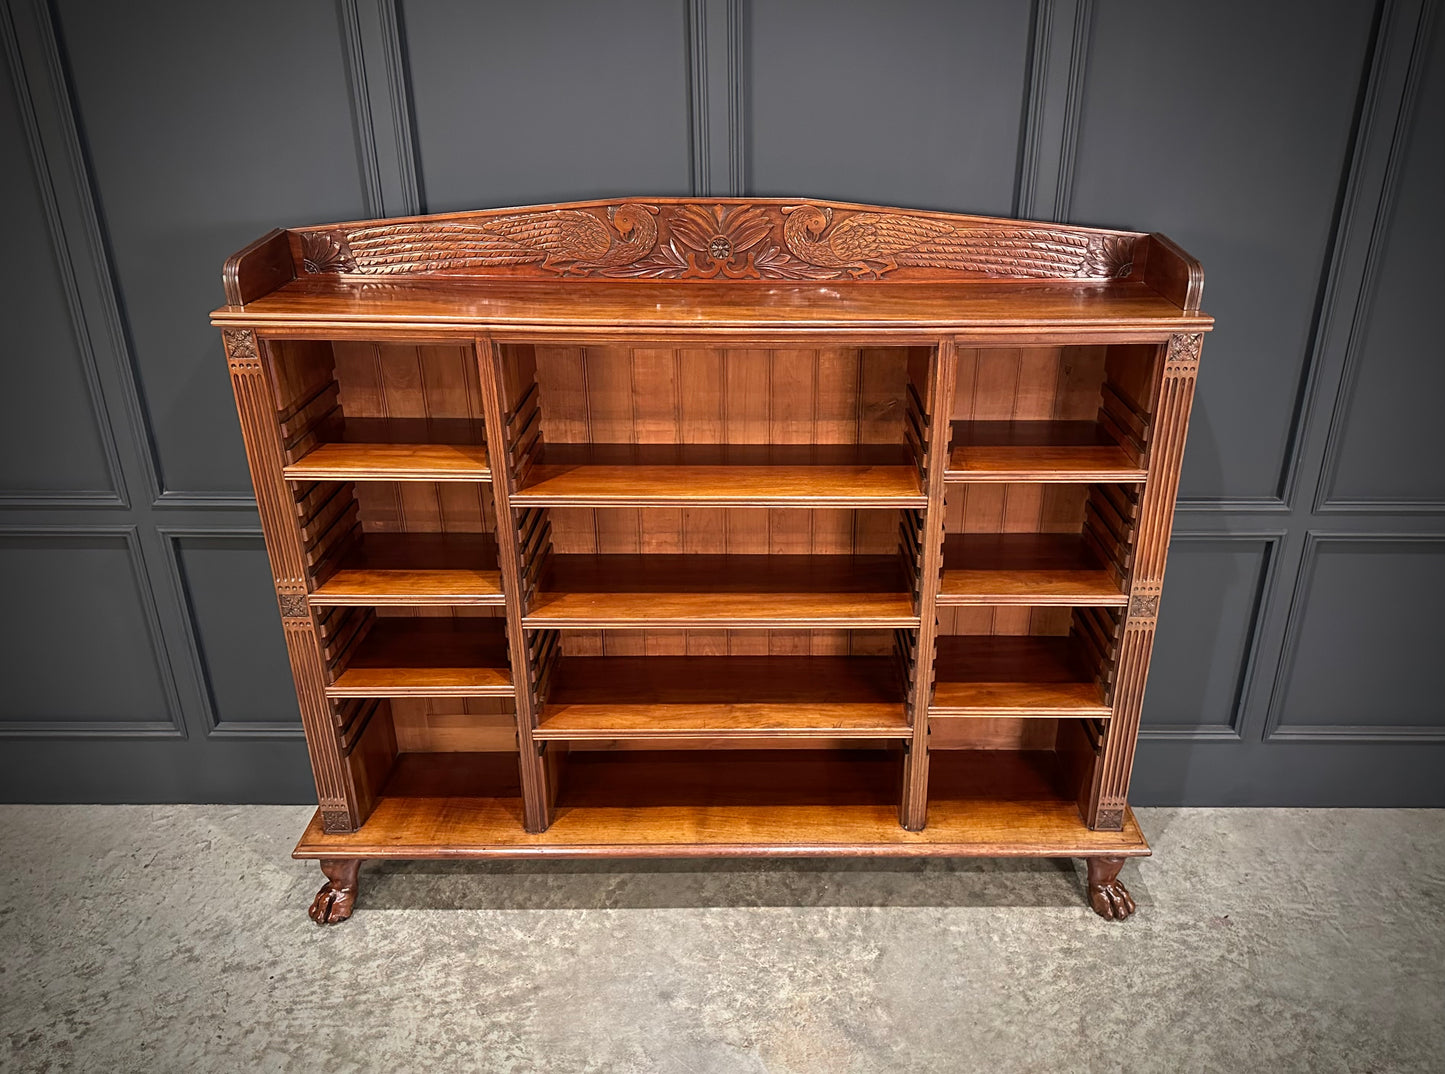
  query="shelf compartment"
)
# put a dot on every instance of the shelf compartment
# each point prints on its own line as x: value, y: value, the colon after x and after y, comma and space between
x: 721, y: 697
x: 415, y: 569
x: 721, y: 475
x: 712, y: 803
x: 1019, y: 676
x: 583, y: 592
x: 1065, y: 451
x: 1025, y: 568
x: 397, y: 449
x: 412, y: 657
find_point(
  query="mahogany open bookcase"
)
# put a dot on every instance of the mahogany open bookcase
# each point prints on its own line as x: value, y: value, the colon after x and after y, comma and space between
x: 677, y: 527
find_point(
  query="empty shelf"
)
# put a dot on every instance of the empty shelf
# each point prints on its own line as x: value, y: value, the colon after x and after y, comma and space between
x: 415, y: 569
x: 755, y: 802
x: 993, y: 675
x: 1039, y: 451
x: 406, y: 657
x: 724, y: 697
x: 397, y: 449
x: 622, y: 591
x: 1025, y: 568
x: 620, y: 475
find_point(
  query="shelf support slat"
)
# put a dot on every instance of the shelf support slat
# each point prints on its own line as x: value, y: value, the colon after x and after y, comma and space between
x: 536, y: 801
x: 942, y: 368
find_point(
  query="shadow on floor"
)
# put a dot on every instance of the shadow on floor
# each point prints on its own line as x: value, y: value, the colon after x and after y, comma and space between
x: 728, y: 882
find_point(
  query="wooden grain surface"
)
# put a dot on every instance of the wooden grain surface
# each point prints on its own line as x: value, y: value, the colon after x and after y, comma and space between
x: 605, y: 475
x: 744, y: 804
x: 1025, y: 569
x: 661, y: 591
x: 988, y: 675
x: 704, y: 308
x: 416, y: 657
x: 1039, y: 451
x: 416, y: 569
x: 719, y: 697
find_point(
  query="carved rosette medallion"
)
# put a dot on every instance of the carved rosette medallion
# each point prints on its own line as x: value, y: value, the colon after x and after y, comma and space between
x: 1145, y: 605
x: 702, y: 240
x: 294, y: 606
x: 1109, y: 820
x: 1182, y: 358
x: 335, y: 820
x: 241, y: 350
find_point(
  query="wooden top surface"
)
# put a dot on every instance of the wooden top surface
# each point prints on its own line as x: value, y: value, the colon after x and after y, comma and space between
x: 498, y: 305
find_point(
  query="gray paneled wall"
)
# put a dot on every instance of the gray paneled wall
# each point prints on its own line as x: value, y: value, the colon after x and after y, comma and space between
x: 1293, y: 146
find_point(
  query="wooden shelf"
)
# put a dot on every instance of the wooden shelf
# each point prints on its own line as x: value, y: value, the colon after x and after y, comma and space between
x: 397, y: 449
x: 722, y: 697
x: 416, y: 569
x: 721, y: 475
x: 1025, y: 568
x: 409, y: 657
x: 1066, y: 451
x: 711, y: 803
x: 994, y: 675
x: 594, y: 592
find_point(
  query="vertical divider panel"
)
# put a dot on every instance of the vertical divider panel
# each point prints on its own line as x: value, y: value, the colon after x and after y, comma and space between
x: 1103, y: 802
x: 938, y: 400
x: 343, y: 805
x: 509, y: 453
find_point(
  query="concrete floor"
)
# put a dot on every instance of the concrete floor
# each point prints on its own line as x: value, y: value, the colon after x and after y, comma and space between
x: 175, y: 938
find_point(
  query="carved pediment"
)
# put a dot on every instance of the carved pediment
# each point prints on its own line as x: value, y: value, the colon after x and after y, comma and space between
x: 687, y: 239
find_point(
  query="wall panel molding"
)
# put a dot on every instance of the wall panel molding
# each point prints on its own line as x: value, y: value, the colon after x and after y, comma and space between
x: 1392, y: 108
x: 173, y: 726
x: 1277, y: 731
x: 1058, y: 61
x: 215, y: 726
x: 373, y: 43
x: 717, y: 85
x: 49, y: 75
x: 1232, y: 730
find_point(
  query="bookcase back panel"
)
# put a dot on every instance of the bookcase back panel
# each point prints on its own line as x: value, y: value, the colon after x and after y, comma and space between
x: 722, y: 530
x: 1028, y: 384
x: 425, y: 507
x: 454, y: 725
x: 728, y: 642
x: 1014, y: 507
x: 399, y: 380
x: 708, y: 395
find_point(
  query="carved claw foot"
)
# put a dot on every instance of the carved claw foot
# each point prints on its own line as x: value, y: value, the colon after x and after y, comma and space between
x: 1107, y: 896
x: 337, y: 897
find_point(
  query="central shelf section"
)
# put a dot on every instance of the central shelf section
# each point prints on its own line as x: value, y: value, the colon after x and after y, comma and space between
x: 721, y: 475
x: 585, y: 592
x: 724, y: 697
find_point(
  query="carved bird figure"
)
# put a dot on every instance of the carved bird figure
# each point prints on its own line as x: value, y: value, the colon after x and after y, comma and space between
x: 561, y: 240
x: 871, y: 244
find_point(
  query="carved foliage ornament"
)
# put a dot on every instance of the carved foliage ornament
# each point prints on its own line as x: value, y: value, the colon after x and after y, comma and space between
x: 1144, y: 606
x: 1182, y: 356
x: 706, y: 241
x: 293, y: 605
x: 240, y: 344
